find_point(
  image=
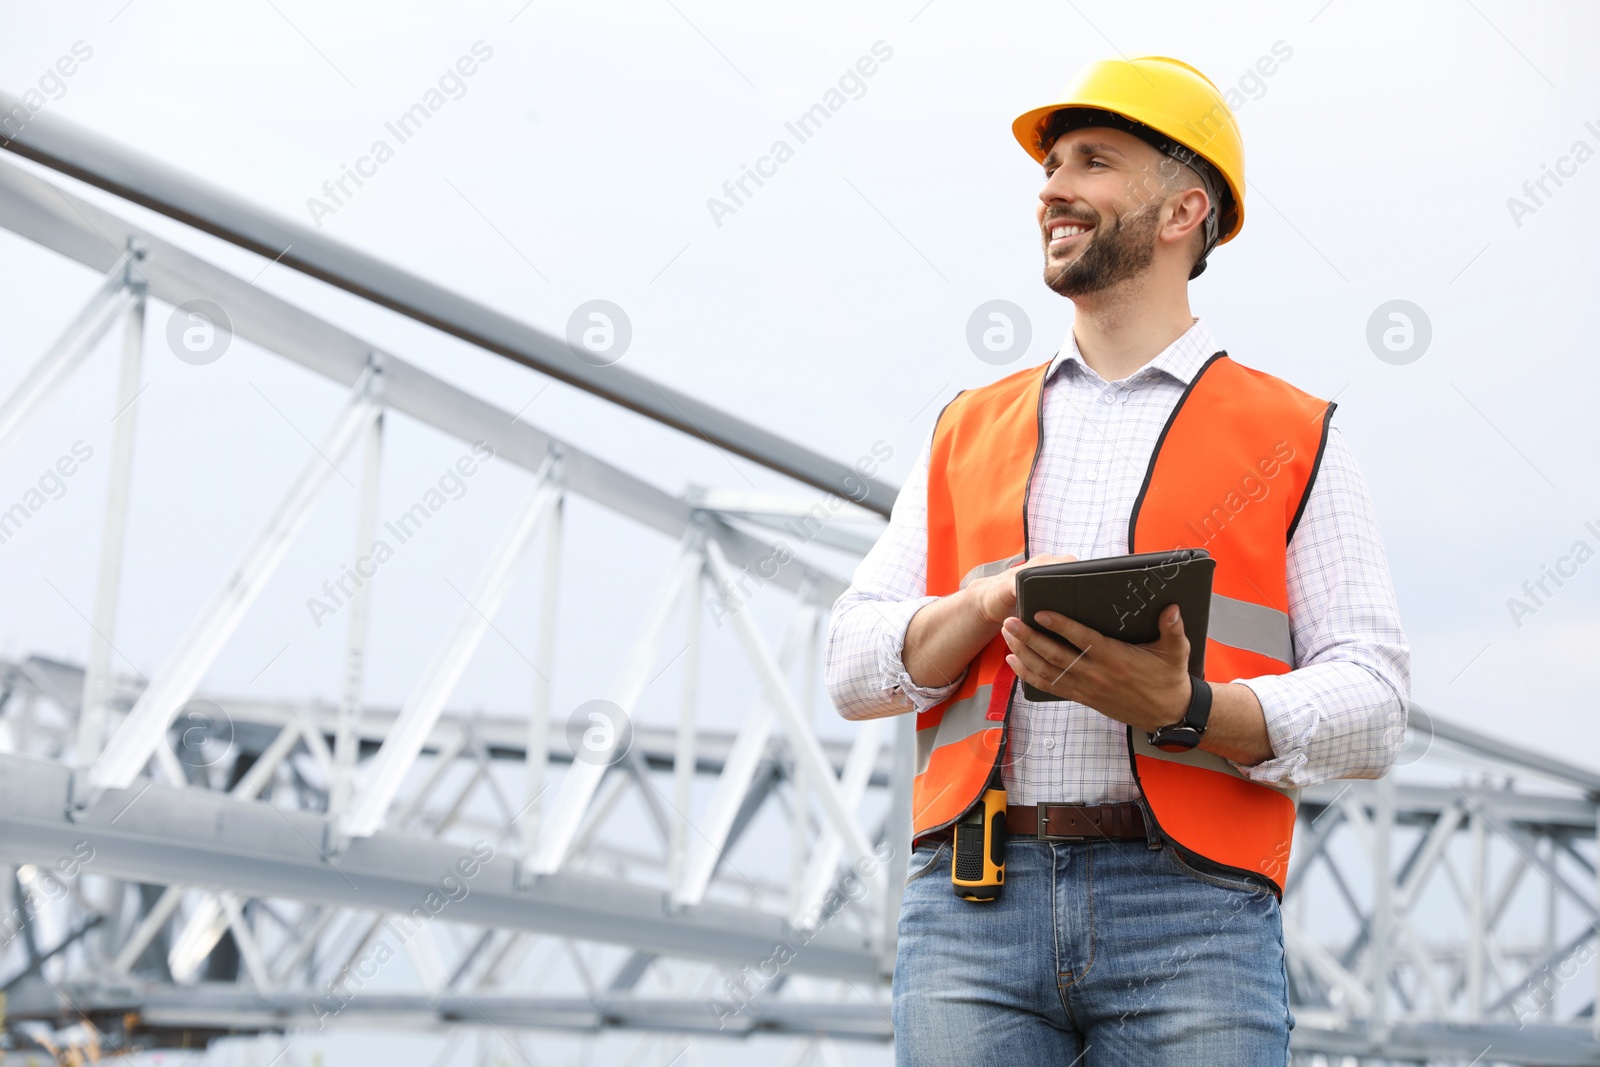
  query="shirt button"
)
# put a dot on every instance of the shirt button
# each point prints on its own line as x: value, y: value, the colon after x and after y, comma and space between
x: 1108, y: 396
x: 1093, y: 475
x: 1049, y: 742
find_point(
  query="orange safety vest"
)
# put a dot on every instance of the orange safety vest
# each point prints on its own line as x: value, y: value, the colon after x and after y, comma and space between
x: 1230, y: 473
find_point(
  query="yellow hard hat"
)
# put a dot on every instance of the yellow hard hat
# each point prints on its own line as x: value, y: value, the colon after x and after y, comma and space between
x: 1162, y: 95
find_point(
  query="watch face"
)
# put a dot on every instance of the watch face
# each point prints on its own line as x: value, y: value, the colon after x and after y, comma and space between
x: 1176, y: 739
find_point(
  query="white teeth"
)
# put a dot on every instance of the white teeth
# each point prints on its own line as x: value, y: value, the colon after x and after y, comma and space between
x: 1066, y: 231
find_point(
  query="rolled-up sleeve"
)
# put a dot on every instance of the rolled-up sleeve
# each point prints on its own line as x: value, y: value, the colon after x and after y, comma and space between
x: 866, y: 674
x: 1341, y: 713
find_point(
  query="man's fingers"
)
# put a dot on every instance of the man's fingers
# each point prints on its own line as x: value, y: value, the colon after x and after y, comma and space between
x: 1045, y: 654
x: 1074, y: 631
x: 1038, y: 673
x: 1020, y: 634
x: 1051, y: 675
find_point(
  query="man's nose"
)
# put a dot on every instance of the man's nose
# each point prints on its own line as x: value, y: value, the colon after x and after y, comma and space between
x: 1056, y: 190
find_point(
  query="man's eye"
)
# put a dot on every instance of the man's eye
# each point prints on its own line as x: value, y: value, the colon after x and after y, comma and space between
x: 1097, y: 163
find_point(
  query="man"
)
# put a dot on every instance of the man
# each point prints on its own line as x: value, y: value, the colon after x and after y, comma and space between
x: 1138, y: 921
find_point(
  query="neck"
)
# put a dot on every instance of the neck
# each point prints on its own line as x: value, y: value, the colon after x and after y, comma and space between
x: 1120, y: 329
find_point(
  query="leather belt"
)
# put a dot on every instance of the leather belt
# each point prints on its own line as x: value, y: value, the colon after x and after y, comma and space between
x: 1077, y: 822
x: 1068, y: 822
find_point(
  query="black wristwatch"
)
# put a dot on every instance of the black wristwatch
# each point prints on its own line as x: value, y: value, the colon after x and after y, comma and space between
x: 1186, y: 733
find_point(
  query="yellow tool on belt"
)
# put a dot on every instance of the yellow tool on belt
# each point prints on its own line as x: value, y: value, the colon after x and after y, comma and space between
x: 979, y: 868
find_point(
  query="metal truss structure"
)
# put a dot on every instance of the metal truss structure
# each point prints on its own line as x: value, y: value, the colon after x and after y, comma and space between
x: 183, y: 864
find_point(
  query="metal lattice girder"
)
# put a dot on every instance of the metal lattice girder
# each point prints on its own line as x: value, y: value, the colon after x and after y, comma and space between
x: 700, y: 857
x: 226, y: 1008
x: 802, y: 742
x: 1394, y: 970
x: 196, y: 931
x: 97, y: 672
x: 80, y: 230
x: 29, y: 397
x: 62, y: 146
x: 155, y: 833
x: 1421, y: 808
x: 503, y: 738
x: 344, y: 737
x: 1546, y: 1046
x: 404, y: 742
x: 573, y: 800
x: 143, y: 731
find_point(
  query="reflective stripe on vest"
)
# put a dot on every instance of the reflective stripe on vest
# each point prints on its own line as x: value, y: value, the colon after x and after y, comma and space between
x: 1229, y: 473
x: 1252, y: 627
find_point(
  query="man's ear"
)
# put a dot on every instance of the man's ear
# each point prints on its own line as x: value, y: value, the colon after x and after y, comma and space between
x: 1189, y: 211
x: 1188, y: 218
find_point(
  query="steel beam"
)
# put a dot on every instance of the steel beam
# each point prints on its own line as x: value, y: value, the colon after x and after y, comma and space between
x: 230, y: 1008
x: 74, y: 151
x: 30, y: 396
x: 684, y: 755
x: 145, y: 727
x: 537, y: 763
x: 1503, y: 753
x: 700, y: 858
x: 561, y: 829
x: 78, y: 229
x: 342, y: 781
x: 1433, y: 1042
x: 155, y: 833
x: 403, y: 744
x: 824, y: 863
x: 797, y: 728
x: 200, y: 933
x: 505, y: 738
x: 97, y: 673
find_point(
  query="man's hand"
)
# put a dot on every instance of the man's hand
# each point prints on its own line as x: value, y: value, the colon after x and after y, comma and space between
x: 1144, y: 686
x: 944, y: 636
x: 996, y: 595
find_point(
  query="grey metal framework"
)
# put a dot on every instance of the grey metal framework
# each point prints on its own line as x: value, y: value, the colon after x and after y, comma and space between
x: 142, y: 180
x: 1448, y: 913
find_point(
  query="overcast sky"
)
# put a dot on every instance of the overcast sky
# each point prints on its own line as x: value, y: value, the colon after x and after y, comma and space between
x: 579, y: 161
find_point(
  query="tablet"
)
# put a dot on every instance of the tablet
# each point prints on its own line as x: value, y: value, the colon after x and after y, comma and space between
x: 1122, y: 597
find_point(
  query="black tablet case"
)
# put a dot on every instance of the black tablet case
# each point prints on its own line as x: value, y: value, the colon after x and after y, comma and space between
x: 1122, y: 597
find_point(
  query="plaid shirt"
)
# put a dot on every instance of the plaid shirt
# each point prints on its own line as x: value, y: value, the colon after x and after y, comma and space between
x: 1339, y: 714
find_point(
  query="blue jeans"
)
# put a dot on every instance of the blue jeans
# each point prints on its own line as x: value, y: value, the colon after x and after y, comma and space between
x: 1097, y: 954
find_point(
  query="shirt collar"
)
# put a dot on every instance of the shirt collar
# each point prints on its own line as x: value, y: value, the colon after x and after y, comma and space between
x: 1182, y: 359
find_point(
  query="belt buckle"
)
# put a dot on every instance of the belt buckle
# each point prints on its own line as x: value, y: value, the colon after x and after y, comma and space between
x: 1044, y: 821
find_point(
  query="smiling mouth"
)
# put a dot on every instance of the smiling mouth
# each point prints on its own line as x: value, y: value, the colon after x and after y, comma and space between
x: 1064, y: 232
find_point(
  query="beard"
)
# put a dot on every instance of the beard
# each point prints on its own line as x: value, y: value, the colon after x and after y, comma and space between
x: 1111, y: 256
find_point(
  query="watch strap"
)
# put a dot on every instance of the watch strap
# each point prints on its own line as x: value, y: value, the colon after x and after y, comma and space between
x: 1187, y: 732
x: 1199, y: 714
